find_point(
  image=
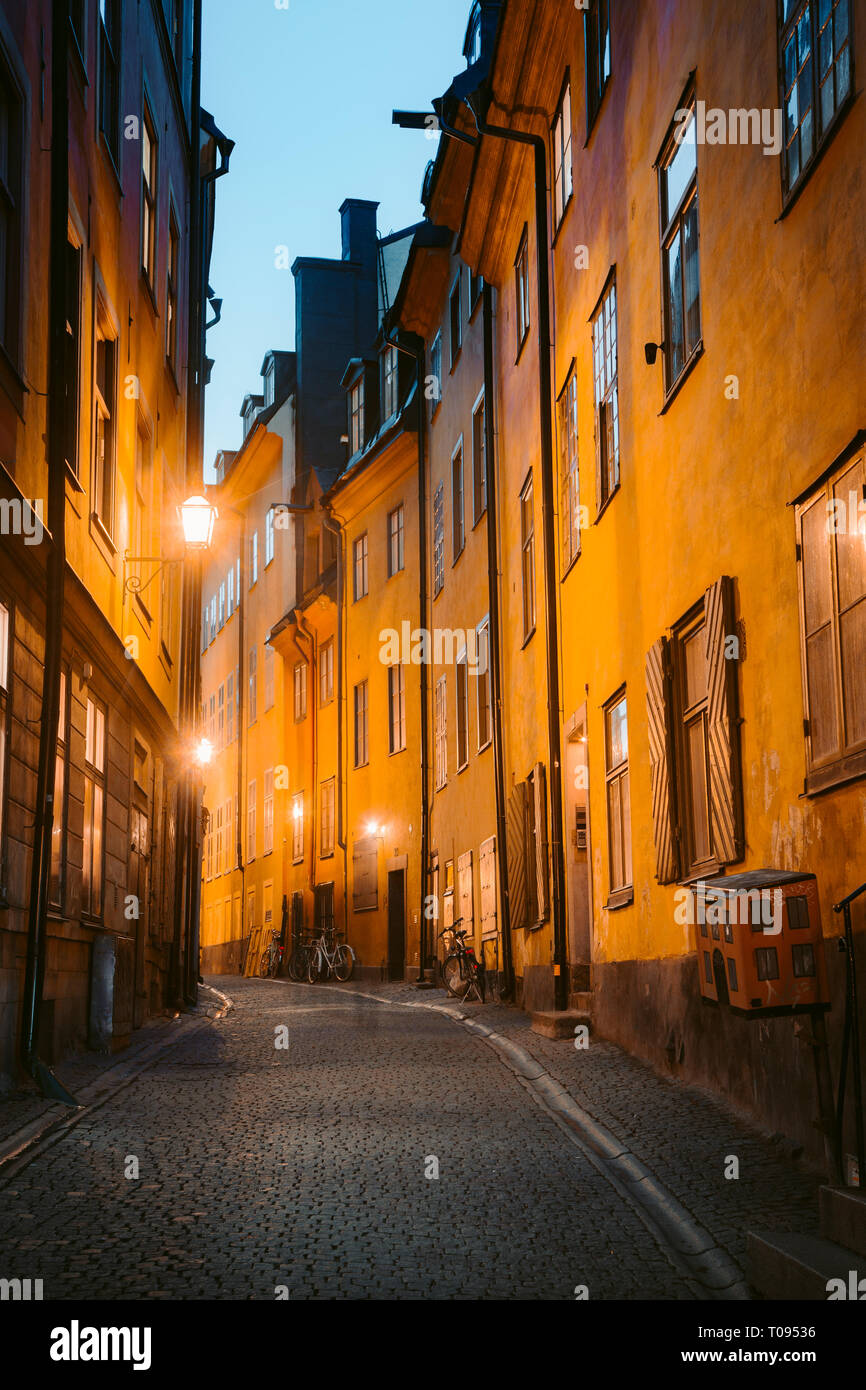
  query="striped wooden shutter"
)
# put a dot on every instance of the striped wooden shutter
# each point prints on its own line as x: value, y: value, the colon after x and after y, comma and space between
x: 516, y: 856
x: 658, y: 705
x: 465, y: 904
x: 487, y: 876
x: 723, y: 733
x: 539, y: 788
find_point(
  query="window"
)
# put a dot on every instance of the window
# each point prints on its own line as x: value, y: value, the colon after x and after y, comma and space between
x: 213, y: 720
x: 604, y: 361
x: 300, y: 682
x: 438, y: 539
x: 326, y: 672
x: 815, y: 66
x: 362, y: 714
x: 476, y: 285
x: 479, y: 461
x: 570, y: 475
x: 396, y: 708
x: 482, y: 685
x: 456, y: 320
x: 268, y: 823
x: 356, y: 417
x: 440, y: 732
x: 94, y: 809
x: 208, y: 851
x: 76, y: 22
x: 251, y: 821
x: 395, y: 541
x: 563, y: 177
x: 527, y: 541
x: 269, y: 677
x: 172, y: 291
x: 252, y: 685
x: 831, y: 525
x: 228, y: 836
x: 104, y: 433
x: 693, y: 727
x: 327, y: 818
x: 436, y: 370
x: 269, y: 536
x: 269, y: 383
x: 230, y: 593
x: 359, y: 567
x: 108, y: 39
x: 390, y: 382
x: 618, y: 799
x: 218, y: 857
x: 58, y: 826
x: 521, y: 281
x: 230, y: 709
x: 221, y: 717
x: 148, y: 196
x: 458, y: 530
x: 596, y: 42
x: 461, y: 679
x: 73, y: 349
x: 254, y: 558
x: 678, y: 200
x: 297, y: 827
x: 143, y: 506
x: 213, y: 618
x: 221, y: 608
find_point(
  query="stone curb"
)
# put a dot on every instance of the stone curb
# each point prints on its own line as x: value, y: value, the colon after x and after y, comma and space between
x: 94, y: 1094
x: 710, y: 1265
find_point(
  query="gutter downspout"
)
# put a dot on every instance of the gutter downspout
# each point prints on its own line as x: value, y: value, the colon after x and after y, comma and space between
x: 495, y: 643
x: 312, y: 705
x: 557, y: 854
x: 336, y: 529
x: 55, y: 567
x: 241, y: 711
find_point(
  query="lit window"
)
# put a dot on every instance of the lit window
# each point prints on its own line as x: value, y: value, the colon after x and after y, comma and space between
x: 440, y: 737
x: 148, y: 197
x: 569, y: 473
x: 327, y: 818
x: 605, y: 378
x: 390, y: 382
x: 297, y: 827
x: 395, y: 541
x: 396, y: 709
x: 562, y: 171
x: 362, y: 714
x: 359, y: 567
x: 300, y: 680
x: 94, y: 810
x: 356, y: 417
x: 326, y: 672
x: 269, y: 536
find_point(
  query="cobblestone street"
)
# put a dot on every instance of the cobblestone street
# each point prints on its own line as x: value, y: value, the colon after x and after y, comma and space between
x: 305, y: 1169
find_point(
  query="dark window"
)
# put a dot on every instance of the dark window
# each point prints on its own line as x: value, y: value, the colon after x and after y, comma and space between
x: 618, y: 794
x: 396, y: 709
x: 606, y: 383
x: 732, y: 975
x: 457, y: 510
x: 361, y: 725
x: 148, y: 197
x: 569, y: 473
x: 395, y: 541
x: 527, y: 545
x: 803, y: 958
x: 798, y: 912
x: 359, y: 567
x: 105, y: 432
x: 678, y: 198
x: 109, y: 75
x: 73, y: 354
x: 767, y: 962
x: 479, y: 462
x: 94, y: 810
x: 562, y: 170
x: 456, y: 317
x: 10, y: 210
x: 816, y: 74
x: 596, y: 36
x: 172, y: 292
x: 521, y: 283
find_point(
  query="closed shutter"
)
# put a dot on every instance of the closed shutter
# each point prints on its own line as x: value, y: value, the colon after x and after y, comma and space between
x: 658, y: 704
x: 516, y: 856
x: 365, y: 874
x: 464, y: 892
x: 723, y: 733
x: 487, y: 875
x: 539, y: 837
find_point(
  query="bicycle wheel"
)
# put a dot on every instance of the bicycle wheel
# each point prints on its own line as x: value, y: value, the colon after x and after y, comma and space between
x: 265, y: 965
x: 297, y: 965
x: 314, y: 965
x: 344, y: 963
x: 454, y: 976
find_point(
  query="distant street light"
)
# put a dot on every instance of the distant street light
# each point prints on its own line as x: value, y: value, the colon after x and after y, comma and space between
x: 203, y: 752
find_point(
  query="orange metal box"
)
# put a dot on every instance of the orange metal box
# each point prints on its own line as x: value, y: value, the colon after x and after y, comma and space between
x: 759, y: 942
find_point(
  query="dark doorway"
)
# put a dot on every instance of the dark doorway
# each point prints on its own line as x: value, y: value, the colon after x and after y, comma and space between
x: 396, y: 924
x: 323, y: 908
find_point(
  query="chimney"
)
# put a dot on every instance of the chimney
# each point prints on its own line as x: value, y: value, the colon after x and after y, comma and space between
x: 359, y: 231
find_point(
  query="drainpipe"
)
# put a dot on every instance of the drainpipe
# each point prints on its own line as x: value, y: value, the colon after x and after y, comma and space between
x: 312, y: 705
x: 55, y: 567
x: 336, y: 529
x: 241, y: 706
x: 554, y: 736
x: 495, y: 642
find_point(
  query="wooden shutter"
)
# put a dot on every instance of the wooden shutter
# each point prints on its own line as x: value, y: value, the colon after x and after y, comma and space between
x: 723, y: 732
x: 658, y: 705
x: 539, y: 829
x: 466, y: 908
x: 515, y: 850
x: 487, y: 875
x: 365, y: 874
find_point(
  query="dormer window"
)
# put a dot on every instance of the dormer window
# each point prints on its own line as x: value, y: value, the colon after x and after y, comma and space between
x: 269, y: 383
x: 356, y: 416
x: 472, y: 46
x: 390, y: 382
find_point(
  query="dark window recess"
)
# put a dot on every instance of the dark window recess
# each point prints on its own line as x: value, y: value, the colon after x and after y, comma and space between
x: 767, y: 963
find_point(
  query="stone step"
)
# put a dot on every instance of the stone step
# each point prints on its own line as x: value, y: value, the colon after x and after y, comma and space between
x: 554, y: 1023
x: 582, y: 1000
x: 788, y: 1266
x: 843, y: 1217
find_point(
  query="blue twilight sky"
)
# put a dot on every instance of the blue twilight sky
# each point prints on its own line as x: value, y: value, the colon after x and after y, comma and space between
x: 306, y: 92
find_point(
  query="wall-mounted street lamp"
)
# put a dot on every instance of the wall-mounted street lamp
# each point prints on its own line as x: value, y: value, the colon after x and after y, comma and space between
x: 197, y: 517
x: 651, y: 352
x: 203, y: 752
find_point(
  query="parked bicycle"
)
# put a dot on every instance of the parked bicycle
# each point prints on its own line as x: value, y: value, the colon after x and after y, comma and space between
x: 328, y: 955
x: 462, y: 971
x: 272, y: 955
x: 300, y: 958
